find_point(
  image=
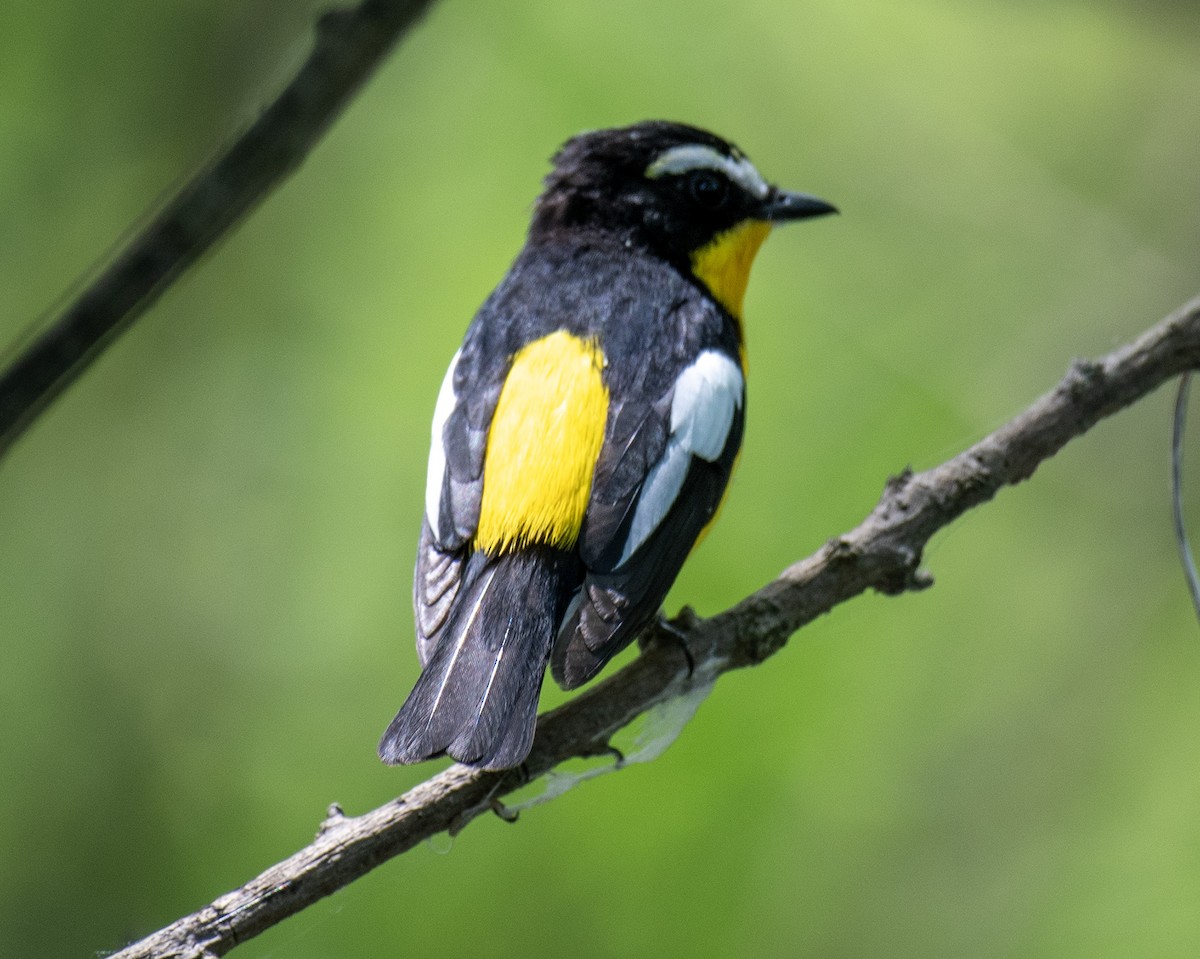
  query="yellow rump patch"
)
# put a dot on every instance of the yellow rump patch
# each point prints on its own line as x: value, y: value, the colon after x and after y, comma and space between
x: 723, y: 264
x: 543, y: 445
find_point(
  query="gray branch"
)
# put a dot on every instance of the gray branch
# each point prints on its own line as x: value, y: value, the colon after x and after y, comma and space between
x: 881, y: 553
x: 349, y: 45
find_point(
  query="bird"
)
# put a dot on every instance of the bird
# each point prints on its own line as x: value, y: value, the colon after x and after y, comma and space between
x: 585, y: 431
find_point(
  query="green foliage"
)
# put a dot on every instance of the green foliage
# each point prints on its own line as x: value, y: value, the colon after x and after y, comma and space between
x: 205, y: 546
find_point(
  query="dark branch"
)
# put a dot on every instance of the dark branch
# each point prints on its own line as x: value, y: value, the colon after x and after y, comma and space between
x: 349, y: 45
x: 882, y: 553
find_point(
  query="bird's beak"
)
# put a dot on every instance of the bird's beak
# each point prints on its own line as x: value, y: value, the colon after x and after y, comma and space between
x: 780, y: 205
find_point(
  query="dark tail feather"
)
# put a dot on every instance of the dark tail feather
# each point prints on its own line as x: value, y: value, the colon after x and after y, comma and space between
x: 477, y: 697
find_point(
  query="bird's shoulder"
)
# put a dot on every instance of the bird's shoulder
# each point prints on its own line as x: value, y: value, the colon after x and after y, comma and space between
x: 649, y: 319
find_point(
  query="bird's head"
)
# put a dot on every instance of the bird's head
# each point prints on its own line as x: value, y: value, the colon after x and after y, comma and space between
x: 683, y: 193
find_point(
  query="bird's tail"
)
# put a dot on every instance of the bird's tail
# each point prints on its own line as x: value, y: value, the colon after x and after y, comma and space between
x: 476, y: 699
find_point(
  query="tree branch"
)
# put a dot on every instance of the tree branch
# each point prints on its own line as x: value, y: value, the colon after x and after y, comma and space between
x: 882, y: 553
x: 349, y: 45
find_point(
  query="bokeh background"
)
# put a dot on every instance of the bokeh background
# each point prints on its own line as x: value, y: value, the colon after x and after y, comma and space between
x: 206, y: 545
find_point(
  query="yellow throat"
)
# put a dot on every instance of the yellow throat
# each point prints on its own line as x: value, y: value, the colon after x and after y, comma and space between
x: 723, y: 264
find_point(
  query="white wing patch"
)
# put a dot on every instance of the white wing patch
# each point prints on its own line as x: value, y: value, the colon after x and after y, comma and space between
x: 706, y: 395
x: 699, y: 156
x: 659, y: 491
x: 436, y: 474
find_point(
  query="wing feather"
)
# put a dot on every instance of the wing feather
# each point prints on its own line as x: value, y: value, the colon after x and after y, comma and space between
x: 436, y: 585
x: 699, y: 430
x: 705, y: 397
x: 435, y: 475
x: 453, y: 490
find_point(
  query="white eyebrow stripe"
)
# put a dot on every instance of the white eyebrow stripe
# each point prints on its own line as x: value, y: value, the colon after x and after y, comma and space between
x: 698, y: 156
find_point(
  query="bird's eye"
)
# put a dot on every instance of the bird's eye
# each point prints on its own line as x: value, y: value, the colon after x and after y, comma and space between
x: 708, y: 189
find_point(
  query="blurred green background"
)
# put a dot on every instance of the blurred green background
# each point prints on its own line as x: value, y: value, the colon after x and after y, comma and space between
x: 206, y: 545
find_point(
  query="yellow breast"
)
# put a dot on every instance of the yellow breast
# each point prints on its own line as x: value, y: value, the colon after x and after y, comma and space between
x: 543, y: 445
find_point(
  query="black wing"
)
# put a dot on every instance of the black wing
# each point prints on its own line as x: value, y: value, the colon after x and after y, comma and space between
x: 454, y: 486
x: 662, y: 474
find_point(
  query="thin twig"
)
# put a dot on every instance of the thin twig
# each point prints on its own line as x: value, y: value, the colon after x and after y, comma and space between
x: 1181, y: 536
x: 882, y: 553
x: 349, y: 45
